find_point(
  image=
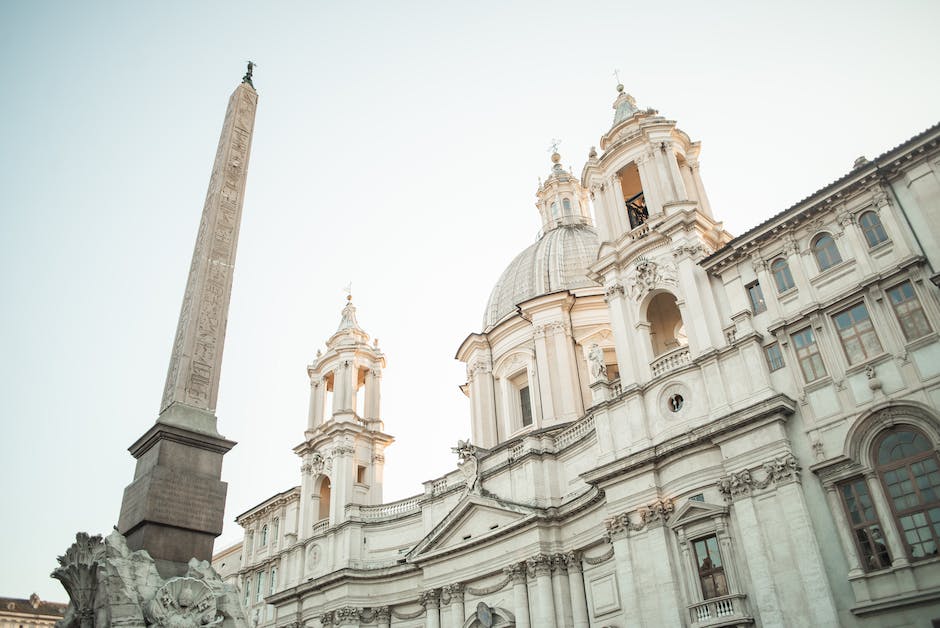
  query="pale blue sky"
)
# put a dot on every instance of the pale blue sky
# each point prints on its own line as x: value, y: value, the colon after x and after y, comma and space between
x: 397, y: 146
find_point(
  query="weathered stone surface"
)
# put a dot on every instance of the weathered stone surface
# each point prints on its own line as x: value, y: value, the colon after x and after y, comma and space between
x: 110, y: 585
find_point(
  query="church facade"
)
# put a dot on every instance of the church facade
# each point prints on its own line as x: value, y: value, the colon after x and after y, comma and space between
x: 670, y: 426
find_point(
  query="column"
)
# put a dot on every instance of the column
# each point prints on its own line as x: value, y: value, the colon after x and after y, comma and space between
x: 483, y: 405
x: 764, y: 594
x: 795, y: 261
x: 315, y: 415
x: 560, y: 590
x: 895, y: 544
x: 842, y: 527
x: 579, y: 611
x: 854, y: 247
x: 541, y: 567
x: 672, y: 165
x: 617, y: 529
x: 383, y: 616
x: 898, y: 234
x: 571, y: 402
x: 808, y: 558
x: 690, y: 568
x: 615, y: 185
x: 457, y: 612
x: 544, y: 375
x: 520, y: 594
x: 768, y: 287
x: 620, y: 321
x: 431, y: 600
x: 649, y: 181
x: 373, y: 395
x: 700, y: 188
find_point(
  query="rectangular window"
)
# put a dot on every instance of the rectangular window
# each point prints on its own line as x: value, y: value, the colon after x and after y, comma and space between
x: 361, y: 474
x: 526, y: 405
x: 273, y: 586
x: 857, y: 334
x: 259, y: 591
x: 909, y: 312
x: 807, y: 353
x: 756, y: 295
x: 247, y: 592
x: 866, y: 529
x: 711, y: 573
x: 774, y: 357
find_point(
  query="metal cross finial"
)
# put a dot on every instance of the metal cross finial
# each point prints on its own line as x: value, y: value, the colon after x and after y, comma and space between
x: 348, y: 290
x: 617, y: 76
x: 554, y: 147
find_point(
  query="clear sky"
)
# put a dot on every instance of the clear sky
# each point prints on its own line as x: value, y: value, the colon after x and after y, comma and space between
x: 397, y: 146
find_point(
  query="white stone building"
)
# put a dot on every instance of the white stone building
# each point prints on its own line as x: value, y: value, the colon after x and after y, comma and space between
x: 670, y: 426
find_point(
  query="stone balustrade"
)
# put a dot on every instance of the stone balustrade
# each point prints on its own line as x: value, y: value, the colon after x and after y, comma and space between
x: 670, y: 361
x: 575, y: 433
x: 718, y: 610
x: 392, y: 509
x: 321, y: 526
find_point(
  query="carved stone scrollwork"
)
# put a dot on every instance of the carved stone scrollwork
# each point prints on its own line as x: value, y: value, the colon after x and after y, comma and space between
x: 431, y: 599
x: 383, y: 614
x: 613, y: 291
x: 516, y: 572
x: 346, y: 615
x: 742, y: 483
x: 790, y: 246
x: 597, y: 560
x: 540, y: 565
x: 327, y: 618
x: 455, y: 592
x: 183, y: 603
x: 648, y: 276
x: 78, y: 573
x: 845, y: 218
x: 559, y: 564
x: 656, y: 512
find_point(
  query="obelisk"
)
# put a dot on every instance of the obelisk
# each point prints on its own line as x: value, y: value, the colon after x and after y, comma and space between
x: 174, y: 507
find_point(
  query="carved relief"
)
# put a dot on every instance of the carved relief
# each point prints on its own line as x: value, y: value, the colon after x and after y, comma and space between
x: 431, y: 599
x: 648, y: 276
x: 183, y: 603
x: 78, y: 573
x: 774, y: 471
x: 539, y: 565
x: 469, y: 465
x: 655, y: 512
x: 613, y: 291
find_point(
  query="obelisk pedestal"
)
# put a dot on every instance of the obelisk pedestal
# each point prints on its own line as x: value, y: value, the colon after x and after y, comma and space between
x: 175, y: 505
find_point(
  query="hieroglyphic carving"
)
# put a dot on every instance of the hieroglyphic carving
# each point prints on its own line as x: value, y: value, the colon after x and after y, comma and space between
x: 193, y: 374
x: 742, y: 483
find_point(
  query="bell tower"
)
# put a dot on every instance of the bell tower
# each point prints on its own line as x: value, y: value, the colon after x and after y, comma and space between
x: 655, y: 223
x: 344, y: 448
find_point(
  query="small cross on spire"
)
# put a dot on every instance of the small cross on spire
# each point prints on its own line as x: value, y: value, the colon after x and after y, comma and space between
x: 554, y: 147
x: 348, y: 291
x: 617, y: 76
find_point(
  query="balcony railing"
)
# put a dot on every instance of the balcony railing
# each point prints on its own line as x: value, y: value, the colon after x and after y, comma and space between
x: 727, y: 610
x: 400, y: 507
x: 321, y: 525
x: 670, y: 361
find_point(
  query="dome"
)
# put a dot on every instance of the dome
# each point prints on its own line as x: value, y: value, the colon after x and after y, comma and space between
x: 558, y: 261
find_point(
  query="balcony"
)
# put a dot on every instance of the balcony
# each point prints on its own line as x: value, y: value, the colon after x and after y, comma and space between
x: 727, y: 610
x: 321, y: 526
x: 671, y: 361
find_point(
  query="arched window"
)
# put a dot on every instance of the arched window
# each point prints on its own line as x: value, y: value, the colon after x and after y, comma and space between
x: 566, y: 206
x: 781, y: 272
x: 824, y: 248
x: 908, y: 467
x: 264, y: 535
x: 667, y: 329
x: 554, y: 209
x: 872, y: 228
x: 324, y: 499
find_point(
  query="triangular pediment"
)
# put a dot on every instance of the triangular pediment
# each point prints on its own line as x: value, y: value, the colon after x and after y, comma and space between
x: 474, y: 519
x: 694, y: 510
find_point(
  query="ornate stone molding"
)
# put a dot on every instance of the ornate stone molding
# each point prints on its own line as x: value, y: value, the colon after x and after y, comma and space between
x: 406, y: 616
x: 346, y: 615
x: 183, y: 603
x: 597, y: 560
x: 540, y: 565
x: 648, y: 276
x: 78, y: 573
x: 455, y: 592
x: 613, y: 291
x: 431, y: 598
x: 744, y: 482
x: 383, y: 614
x: 517, y: 573
x: 655, y: 512
x: 559, y: 564
x: 514, y: 573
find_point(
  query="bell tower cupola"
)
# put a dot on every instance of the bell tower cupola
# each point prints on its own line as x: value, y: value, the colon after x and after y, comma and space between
x: 561, y: 199
x: 344, y: 446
